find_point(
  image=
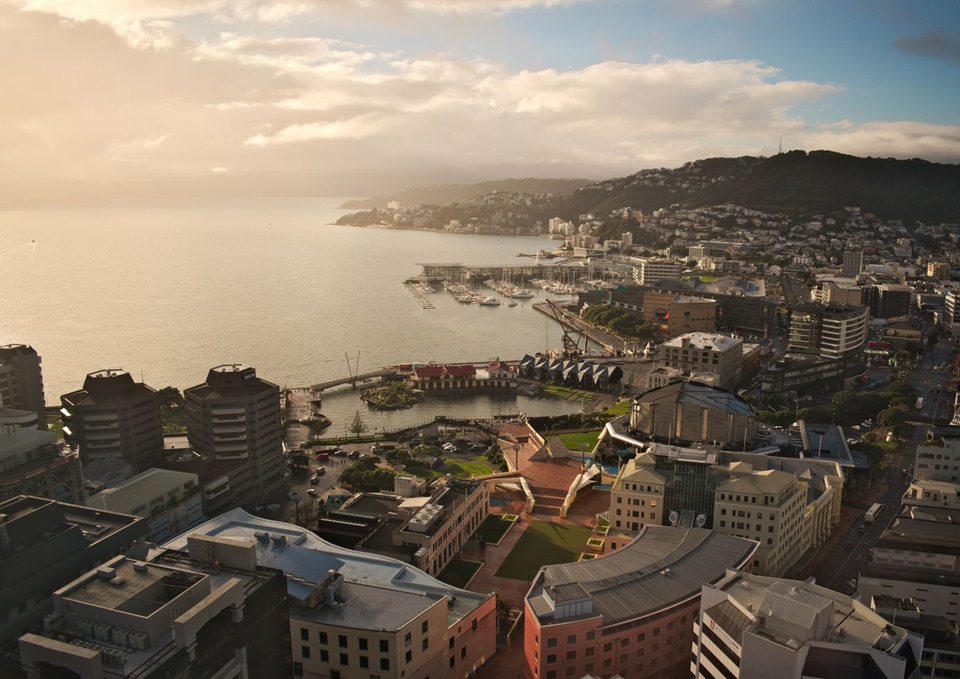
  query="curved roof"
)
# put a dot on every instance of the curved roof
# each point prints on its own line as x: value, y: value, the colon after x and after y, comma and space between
x: 698, y: 394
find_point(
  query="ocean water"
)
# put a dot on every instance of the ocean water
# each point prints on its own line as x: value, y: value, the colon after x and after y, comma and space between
x: 168, y: 289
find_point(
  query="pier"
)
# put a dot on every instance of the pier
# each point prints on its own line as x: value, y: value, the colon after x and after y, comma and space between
x: 353, y: 379
x: 571, y: 321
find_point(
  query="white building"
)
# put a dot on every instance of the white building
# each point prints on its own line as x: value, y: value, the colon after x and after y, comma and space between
x: 171, y: 501
x: 647, y: 271
x: 938, y: 457
x: 752, y: 626
x: 706, y: 352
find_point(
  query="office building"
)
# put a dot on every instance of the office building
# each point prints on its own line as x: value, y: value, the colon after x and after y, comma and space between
x: 647, y: 271
x: 795, y: 374
x: 707, y: 353
x: 938, y: 270
x: 21, y: 381
x: 34, y: 462
x: 950, y: 318
x: 357, y: 614
x: 44, y: 545
x: 630, y: 612
x: 852, y: 263
x: 170, y: 501
x: 211, y: 612
x: 938, y: 455
x: 829, y: 330
x: 755, y: 627
x: 893, y: 301
x: 113, y: 417
x: 233, y: 421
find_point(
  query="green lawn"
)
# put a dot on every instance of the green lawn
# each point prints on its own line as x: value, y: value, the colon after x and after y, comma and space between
x: 543, y: 543
x: 573, y: 441
x: 492, y: 529
x: 464, y: 469
x: 458, y: 572
x: 558, y: 391
x: 621, y: 408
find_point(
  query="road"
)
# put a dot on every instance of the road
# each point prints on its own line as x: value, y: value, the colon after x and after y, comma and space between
x: 932, y: 382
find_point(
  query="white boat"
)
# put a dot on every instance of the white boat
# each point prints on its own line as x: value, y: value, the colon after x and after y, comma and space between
x: 522, y: 294
x: 490, y: 301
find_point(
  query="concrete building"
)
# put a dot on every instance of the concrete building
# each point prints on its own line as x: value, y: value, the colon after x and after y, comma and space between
x: 637, y: 495
x: 630, y: 612
x: 950, y: 318
x: 688, y: 412
x: 357, y: 614
x: 34, y: 462
x: 852, y: 263
x: 938, y: 270
x: 795, y: 374
x: 212, y: 612
x: 754, y: 627
x: 21, y: 381
x: 705, y: 352
x: 233, y: 422
x: 647, y: 271
x: 113, y: 417
x: 834, y: 292
x: 831, y: 331
x: 938, y: 455
x: 892, y: 301
x: 170, y: 501
x: 916, y: 558
x: 43, y: 545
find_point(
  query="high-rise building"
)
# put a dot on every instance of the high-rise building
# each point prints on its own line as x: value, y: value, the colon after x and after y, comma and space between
x: 21, y: 381
x: 754, y: 627
x: 939, y: 270
x: 233, y: 420
x: 852, y: 263
x: 114, y: 417
x: 34, y: 462
x: 829, y: 330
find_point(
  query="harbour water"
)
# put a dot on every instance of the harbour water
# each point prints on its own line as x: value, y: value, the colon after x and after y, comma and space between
x: 168, y: 289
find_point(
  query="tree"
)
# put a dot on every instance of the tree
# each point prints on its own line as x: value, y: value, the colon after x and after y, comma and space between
x: 170, y: 398
x: 891, y: 417
x: 299, y: 462
x: 358, y: 426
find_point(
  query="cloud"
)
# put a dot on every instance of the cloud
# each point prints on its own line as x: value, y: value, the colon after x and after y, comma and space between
x: 87, y: 102
x: 932, y: 44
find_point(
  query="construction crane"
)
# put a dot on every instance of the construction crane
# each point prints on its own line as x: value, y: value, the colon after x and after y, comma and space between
x: 571, y: 346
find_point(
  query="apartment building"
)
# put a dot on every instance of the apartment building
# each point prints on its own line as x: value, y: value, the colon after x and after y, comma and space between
x: 852, y: 263
x: 755, y: 627
x: 21, y: 381
x: 938, y: 455
x: 627, y: 613
x: 363, y: 615
x: 705, y: 352
x: 114, y: 417
x: 233, y: 421
x: 938, y: 270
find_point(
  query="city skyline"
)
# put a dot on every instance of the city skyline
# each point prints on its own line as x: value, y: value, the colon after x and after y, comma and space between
x: 397, y: 94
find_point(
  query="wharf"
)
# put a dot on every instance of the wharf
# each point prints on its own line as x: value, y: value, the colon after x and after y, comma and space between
x: 571, y: 321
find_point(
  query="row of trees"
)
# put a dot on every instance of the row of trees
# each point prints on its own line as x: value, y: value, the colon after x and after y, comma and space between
x: 890, y: 408
x: 619, y: 320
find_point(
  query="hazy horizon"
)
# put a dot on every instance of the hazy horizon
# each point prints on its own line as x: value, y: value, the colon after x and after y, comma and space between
x: 367, y: 97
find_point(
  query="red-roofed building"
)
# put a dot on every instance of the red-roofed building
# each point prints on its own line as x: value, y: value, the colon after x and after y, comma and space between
x: 447, y: 377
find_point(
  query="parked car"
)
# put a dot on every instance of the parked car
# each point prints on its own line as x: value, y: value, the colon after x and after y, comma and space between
x: 353, y: 454
x: 312, y: 491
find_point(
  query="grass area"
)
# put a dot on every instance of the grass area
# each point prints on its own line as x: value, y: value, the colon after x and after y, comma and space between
x: 575, y: 440
x: 464, y: 469
x: 174, y: 420
x: 492, y: 529
x: 542, y: 544
x: 558, y: 391
x: 458, y: 572
x: 621, y: 408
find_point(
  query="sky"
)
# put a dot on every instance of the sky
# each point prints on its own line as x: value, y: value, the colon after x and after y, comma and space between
x: 397, y: 93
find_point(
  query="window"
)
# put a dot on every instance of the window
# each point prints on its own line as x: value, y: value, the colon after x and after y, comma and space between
x: 323, y: 637
x: 305, y: 651
x: 425, y: 626
x: 334, y: 674
x: 304, y: 634
x: 552, y: 659
x: 452, y: 661
x: 324, y: 656
x: 451, y: 642
x: 408, y: 657
x: 607, y: 647
x: 591, y: 635
x: 364, y: 661
x: 362, y: 643
x: 571, y: 638
x: 473, y: 626
x: 463, y: 652
x: 297, y: 669
x: 571, y: 655
x: 342, y: 640
x: 426, y: 644
x: 344, y: 659
x: 384, y: 663
x: 385, y: 647
x: 552, y: 642
x: 406, y: 639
